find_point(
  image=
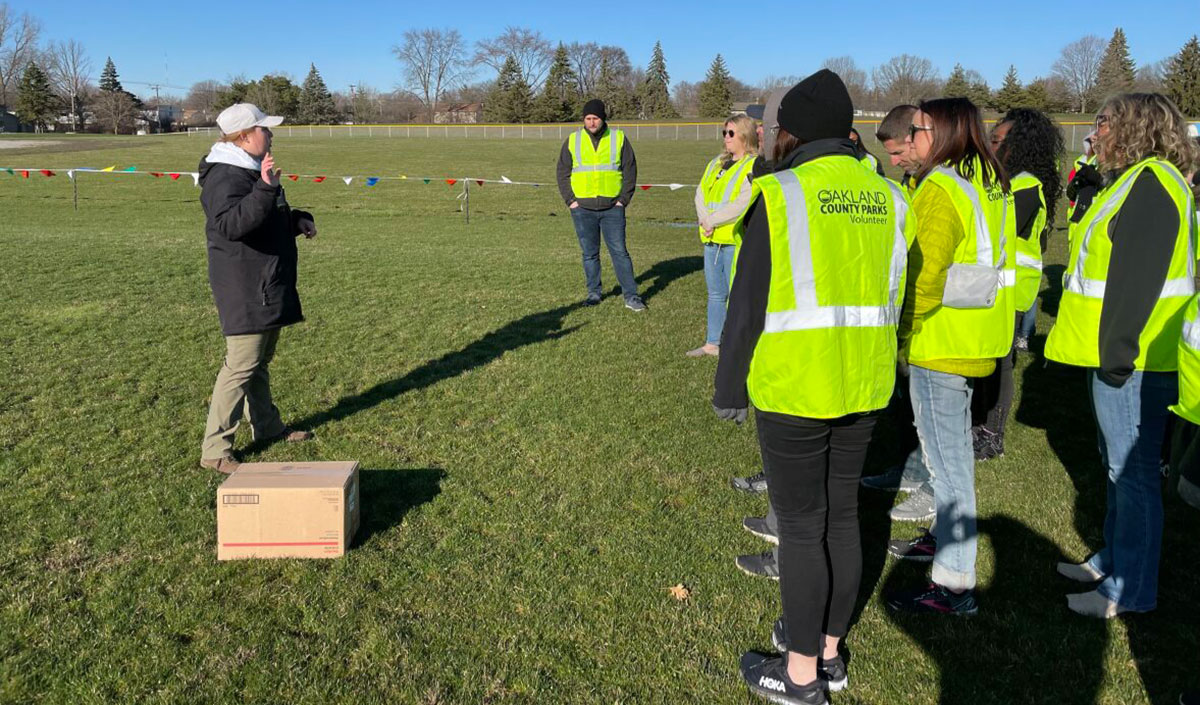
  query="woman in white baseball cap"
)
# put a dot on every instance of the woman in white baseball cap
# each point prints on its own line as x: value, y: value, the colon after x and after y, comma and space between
x: 251, y: 232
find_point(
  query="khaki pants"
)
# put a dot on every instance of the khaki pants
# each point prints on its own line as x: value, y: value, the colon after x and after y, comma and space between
x: 243, y: 386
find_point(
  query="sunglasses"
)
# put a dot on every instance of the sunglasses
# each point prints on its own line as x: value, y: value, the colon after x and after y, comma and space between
x: 728, y: 133
x: 914, y: 129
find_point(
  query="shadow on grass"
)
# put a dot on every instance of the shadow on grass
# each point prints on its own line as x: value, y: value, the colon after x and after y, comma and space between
x: 527, y: 330
x: 389, y: 495
x: 1024, y: 646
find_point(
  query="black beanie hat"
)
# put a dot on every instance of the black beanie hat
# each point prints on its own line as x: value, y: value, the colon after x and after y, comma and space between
x: 595, y: 106
x: 817, y: 108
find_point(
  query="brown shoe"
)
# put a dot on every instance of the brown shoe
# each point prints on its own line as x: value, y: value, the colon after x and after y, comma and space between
x: 291, y: 435
x: 225, y: 465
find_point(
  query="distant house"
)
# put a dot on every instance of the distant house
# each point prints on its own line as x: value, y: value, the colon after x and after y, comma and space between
x: 468, y: 113
x: 9, y: 122
x: 738, y: 109
x: 158, y: 118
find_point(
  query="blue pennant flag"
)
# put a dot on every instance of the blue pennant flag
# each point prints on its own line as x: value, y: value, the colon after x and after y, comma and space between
x: 372, y: 180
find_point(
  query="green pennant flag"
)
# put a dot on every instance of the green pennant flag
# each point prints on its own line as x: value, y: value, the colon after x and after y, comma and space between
x: 132, y: 168
x: 9, y: 170
x: 425, y: 180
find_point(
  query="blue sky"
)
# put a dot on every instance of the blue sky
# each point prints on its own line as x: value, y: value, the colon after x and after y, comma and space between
x: 351, y: 42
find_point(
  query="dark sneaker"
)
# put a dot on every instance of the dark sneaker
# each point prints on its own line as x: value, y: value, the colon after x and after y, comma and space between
x: 635, y: 303
x: 759, y: 527
x: 1021, y: 344
x: 832, y: 671
x: 762, y: 565
x: 918, y: 506
x: 225, y: 466
x: 920, y: 549
x: 934, y: 599
x: 891, y: 480
x: 755, y: 484
x: 592, y: 300
x: 988, y: 445
x: 1192, y: 698
x: 767, y: 676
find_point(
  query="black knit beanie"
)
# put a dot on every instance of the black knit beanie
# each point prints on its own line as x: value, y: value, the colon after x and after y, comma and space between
x: 595, y: 106
x: 817, y: 108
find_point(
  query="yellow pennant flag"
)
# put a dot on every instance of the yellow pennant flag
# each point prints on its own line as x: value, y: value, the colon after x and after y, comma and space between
x: 110, y: 168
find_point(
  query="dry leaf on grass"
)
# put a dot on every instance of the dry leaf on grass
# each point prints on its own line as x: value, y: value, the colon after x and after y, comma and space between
x: 679, y: 592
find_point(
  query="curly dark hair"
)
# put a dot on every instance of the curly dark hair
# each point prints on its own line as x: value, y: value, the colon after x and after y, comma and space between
x: 1034, y: 144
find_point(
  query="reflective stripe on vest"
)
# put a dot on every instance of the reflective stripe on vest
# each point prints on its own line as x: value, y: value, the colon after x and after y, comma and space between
x: 614, y: 164
x: 808, y: 314
x: 1188, y: 406
x: 1077, y: 283
x: 727, y: 196
x: 983, y: 234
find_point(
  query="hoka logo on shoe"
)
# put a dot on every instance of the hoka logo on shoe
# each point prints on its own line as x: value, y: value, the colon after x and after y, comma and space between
x: 771, y: 683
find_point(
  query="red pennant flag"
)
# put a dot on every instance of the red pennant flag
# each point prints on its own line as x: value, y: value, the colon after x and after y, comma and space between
x: 645, y: 187
x: 47, y: 172
x: 156, y: 174
x: 293, y: 177
x: 452, y: 181
x: 318, y: 179
x: 25, y: 173
x: 174, y: 177
x: 479, y: 181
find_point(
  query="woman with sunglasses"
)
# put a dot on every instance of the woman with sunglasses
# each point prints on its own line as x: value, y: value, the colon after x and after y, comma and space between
x: 1029, y: 146
x: 1128, y: 281
x: 721, y: 198
x: 959, y: 315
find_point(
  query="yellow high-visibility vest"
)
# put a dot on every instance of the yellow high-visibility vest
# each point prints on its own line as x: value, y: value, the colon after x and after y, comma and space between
x: 596, y: 170
x: 722, y: 188
x: 1029, y: 252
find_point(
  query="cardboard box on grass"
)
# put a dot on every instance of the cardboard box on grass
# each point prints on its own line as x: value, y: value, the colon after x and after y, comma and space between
x: 287, y: 510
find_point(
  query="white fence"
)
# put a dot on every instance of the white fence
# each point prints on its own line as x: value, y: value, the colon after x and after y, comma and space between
x: 1073, y: 132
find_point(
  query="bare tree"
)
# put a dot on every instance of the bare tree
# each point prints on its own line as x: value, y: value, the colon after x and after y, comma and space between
x: 854, y: 77
x: 1078, y: 66
x: 1150, y: 77
x: 586, y: 60
x: 18, y: 47
x: 532, y: 52
x: 69, y: 69
x: 204, y: 97
x: 434, y: 60
x: 115, y: 110
x: 905, y: 79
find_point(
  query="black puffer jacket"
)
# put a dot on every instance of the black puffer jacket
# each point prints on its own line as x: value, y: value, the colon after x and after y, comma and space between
x: 251, y: 235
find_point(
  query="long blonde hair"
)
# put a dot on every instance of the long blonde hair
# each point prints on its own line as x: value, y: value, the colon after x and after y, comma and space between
x: 746, y: 131
x: 1142, y: 125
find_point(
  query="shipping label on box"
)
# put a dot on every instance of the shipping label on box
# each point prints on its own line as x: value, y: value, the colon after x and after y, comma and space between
x: 288, y: 510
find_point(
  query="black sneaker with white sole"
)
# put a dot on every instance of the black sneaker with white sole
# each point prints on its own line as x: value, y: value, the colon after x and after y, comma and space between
x: 592, y: 300
x: 760, y: 528
x: 755, y: 484
x: 762, y: 565
x: 920, y: 549
x: 767, y: 676
x: 934, y: 599
x: 832, y: 671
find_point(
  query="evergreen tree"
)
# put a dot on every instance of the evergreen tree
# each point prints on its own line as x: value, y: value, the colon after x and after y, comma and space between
x: 508, y: 101
x: 315, y: 105
x: 1116, y: 71
x: 716, y: 97
x: 36, y: 103
x: 979, y: 93
x: 109, y: 81
x: 1183, y: 78
x: 655, y: 92
x: 618, y: 100
x: 956, y: 84
x: 1010, y: 95
x: 1037, y: 95
x: 559, y: 100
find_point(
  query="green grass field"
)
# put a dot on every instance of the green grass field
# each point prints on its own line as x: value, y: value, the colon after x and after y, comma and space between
x: 536, y: 474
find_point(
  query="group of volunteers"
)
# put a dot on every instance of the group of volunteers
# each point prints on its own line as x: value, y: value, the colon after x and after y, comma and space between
x: 834, y: 294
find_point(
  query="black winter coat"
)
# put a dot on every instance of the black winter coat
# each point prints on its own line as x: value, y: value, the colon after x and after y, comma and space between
x: 251, y: 234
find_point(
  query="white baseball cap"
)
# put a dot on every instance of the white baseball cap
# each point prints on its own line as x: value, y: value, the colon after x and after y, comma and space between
x: 243, y: 116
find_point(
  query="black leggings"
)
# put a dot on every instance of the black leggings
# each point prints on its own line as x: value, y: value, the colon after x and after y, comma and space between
x: 813, y: 468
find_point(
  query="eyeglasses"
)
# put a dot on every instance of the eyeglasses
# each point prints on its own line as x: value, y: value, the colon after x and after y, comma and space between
x: 914, y: 129
x: 728, y: 133
x: 1101, y: 121
x: 775, y: 129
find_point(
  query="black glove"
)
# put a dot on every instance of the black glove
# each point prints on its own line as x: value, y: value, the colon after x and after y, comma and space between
x: 1085, y: 176
x: 738, y: 416
x: 305, y: 225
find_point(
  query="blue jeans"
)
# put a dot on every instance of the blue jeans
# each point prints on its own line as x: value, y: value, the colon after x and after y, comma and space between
x: 1131, y: 420
x: 589, y: 225
x: 718, y: 266
x: 942, y: 409
x: 1027, y: 324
